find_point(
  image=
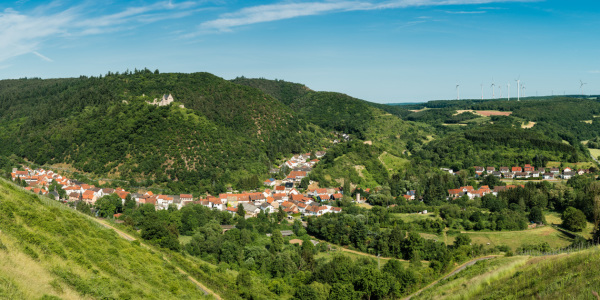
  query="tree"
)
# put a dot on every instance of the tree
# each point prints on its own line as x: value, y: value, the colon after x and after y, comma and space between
x: 491, y: 181
x: 307, y: 253
x: 462, y: 240
x: 276, y: 241
x: 347, y: 187
x: 573, y: 219
x: 342, y: 291
x: 306, y: 293
x: 536, y: 215
x: 304, y: 183
x: 244, y: 279
x: 241, y: 211
x: 280, y: 214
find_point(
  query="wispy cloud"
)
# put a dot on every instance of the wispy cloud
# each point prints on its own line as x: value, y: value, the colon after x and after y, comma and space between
x: 42, y: 56
x: 594, y: 72
x: 25, y: 32
x: 286, y: 10
x: 462, y: 12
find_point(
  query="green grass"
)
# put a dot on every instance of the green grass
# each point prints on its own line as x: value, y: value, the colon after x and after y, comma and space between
x: 49, y: 249
x: 477, y: 120
x: 554, y: 218
x: 468, y: 280
x: 553, y: 277
x: 411, y: 217
x: 392, y: 162
x: 515, y: 239
x: 185, y: 239
x: 564, y: 276
x: 595, y: 152
x: 578, y: 165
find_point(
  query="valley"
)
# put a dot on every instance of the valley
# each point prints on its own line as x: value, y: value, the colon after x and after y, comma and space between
x: 265, y: 189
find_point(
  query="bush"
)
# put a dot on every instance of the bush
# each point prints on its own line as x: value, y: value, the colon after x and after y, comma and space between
x: 573, y: 219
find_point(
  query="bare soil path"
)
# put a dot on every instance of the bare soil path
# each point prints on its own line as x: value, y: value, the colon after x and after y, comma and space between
x: 456, y: 270
x: 130, y: 238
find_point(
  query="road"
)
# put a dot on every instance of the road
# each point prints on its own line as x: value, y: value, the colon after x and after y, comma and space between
x: 130, y: 238
x: 455, y: 271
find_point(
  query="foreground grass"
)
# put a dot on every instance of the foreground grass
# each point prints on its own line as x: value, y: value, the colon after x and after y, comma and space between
x: 470, y: 280
x: 565, y: 276
x: 48, y: 250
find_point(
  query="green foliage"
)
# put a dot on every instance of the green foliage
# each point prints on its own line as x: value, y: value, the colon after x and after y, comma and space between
x: 227, y: 134
x: 573, y: 219
x: 80, y: 254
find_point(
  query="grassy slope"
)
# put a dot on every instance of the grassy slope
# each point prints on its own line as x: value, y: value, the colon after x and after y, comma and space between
x: 565, y: 276
x: 47, y: 249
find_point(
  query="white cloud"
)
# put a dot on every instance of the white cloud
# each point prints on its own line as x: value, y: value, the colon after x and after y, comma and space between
x: 25, y: 32
x: 462, y: 12
x: 594, y: 72
x: 287, y: 10
x: 42, y: 56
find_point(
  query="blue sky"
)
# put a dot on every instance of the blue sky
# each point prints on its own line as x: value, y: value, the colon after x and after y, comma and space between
x: 378, y: 50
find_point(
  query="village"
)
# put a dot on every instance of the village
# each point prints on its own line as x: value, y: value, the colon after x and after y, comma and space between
x: 529, y: 171
x: 277, y: 195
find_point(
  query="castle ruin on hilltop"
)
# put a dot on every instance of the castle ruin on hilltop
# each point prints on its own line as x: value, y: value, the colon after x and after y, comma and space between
x: 166, y: 100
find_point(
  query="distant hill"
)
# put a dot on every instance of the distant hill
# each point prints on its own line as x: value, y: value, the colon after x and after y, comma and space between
x: 226, y: 132
x: 380, y: 123
x: 49, y: 251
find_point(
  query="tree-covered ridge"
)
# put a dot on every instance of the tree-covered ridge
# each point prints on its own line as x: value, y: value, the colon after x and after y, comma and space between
x: 493, y: 145
x: 564, y: 116
x: 104, y: 126
x: 239, y: 107
x: 286, y: 92
x: 330, y: 110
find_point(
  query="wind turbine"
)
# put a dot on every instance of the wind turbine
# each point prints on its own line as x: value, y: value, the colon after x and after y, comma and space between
x: 523, y: 89
x: 482, y: 91
x: 492, y: 86
x: 581, y: 86
x: 518, y: 80
x: 508, y: 94
x: 500, y: 88
x: 458, y: 92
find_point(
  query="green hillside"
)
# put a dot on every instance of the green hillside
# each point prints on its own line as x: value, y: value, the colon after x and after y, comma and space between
x: 376, y: 123
x: 48, y: 251
x: 565, y: 276
x: 225, y: 134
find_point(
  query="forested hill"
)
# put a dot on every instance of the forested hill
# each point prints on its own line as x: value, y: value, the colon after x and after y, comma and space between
x: 291, y: 93
x: 226, y: 133
x: 336, y: 111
